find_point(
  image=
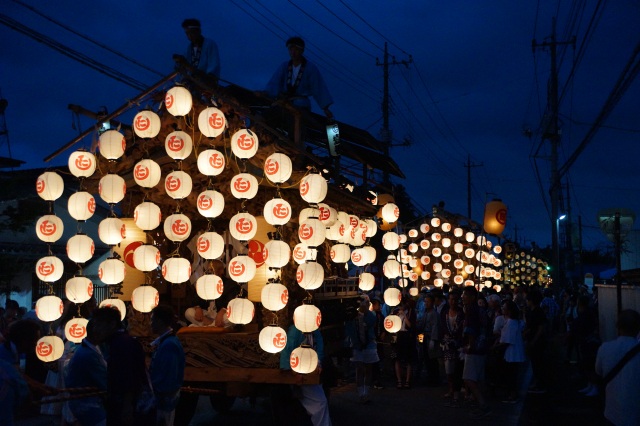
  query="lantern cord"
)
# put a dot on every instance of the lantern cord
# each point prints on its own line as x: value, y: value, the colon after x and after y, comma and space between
x: 50, y: 205
x: 243, y: 205
x: 274, y: 321
x: 209, y: 225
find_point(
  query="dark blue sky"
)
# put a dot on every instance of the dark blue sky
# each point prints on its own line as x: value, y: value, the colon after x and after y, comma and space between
x: 473, y: 87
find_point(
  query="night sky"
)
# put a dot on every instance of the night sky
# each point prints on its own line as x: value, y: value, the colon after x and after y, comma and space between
x: 474, y: 90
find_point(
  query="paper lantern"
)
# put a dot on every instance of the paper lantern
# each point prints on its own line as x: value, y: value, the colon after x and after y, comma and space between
x: 210, y: 245
x: 313, y: 188
x: 211, y: 122
x: 390, y: 213
x: 79, y: 289
x: 76, y: 329
x: 392, y: 323
x: 413, y: 291
x: 359, y: 257
x: 425, y: 260
x: 244, y: 143
x: 147, y: 216
x: 403, y: 238
x: 278, y: 168
x: 340, y: 253
x: 209, y: 287
x: 272, y: 339
x: 145, y: 298
x: 242, y: 269
x: 178, y: 145
x: 82, y: 164
x: 458, y: 232
x: 469, y: 253
x: 210, y: 203
x: 469, y: 237
x: 49, y: 228
x: 358, y: 235
x: 469, y: 269
x: 413, y: 233
x: 372, y: 227
x: 49, y: 186
x: 437, y: 267
x: 425, y: 244
x: 425, y: 275
x: 413, y: 262
x: 446, y: 258
x: 446, y: 242
x: 274, y: 296
x: 178, y: 185
x: 390, y: 241
x: 177, y: 227
x: 112, y: 188
x: 424, y: 228
x: 117, y: 304
x: 146, y: 124
x: 178, y: 101
x: 49, y: 269
x: 497, y: 249
x: 458, y: 247
x: 240, y: 311
x: 147, y: 173
x: 458, y: 264
x: 244, y: 186
x: 446, y: 227
x: 370, y: 254
x: 243, y: 226
x: 327, y: 215
x: 366, y: 281
x: 81, y: 206
x: 391, y: 269
x: 458, y: 279
x: 303, y: 360
x: 112, y: 231
x: 49, y: 348
x: 435, y: 222
x: 310, y: 275
x: 413, y: 247
x: 146, y: 258
x: 333, y: 232
x: 495, y: 217
x: 436, y: 237
x: 211, y: 162
x: 276, y: 253
x: 436, y: 251
x: 445, y: 273
x: 80, y: 248
x: 308, y: 213
x: 176, y: 270
x: 49, y: 308
x: 112, y: 144
x: 312, y: 232
x: 111, y: 271
x: 307, y: 318
x: 302, y: 253
x: 277, y: 212
x: 392, y: 296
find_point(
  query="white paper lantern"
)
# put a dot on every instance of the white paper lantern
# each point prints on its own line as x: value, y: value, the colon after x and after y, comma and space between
x: 310, y: 275
x: 307, y: 318
x: 435, y: 222
x: 469, y: 269
x: 49, y: 348
x: 209, y: 287
x: 458, y: 264
x: 178, y: 101
x: 413, y: 247
x: 210, y: 203
x: 111, y: 271
x: 176, y: 270
x: 178, y: 145
x: 340, y: 253
x: 81, y: 206
x: 112, y: 231
x: 458, y: 279
x: 437, y: 267
x: 210, y: 245
x: 392, y: 296
x: 302, y: 253
x: 424, y: 228
x: 49, y: 186
x: 82, y: 164
x: 425, y: 244
x: 372, y: 227
x: 49, y: 269
x: 112, y: 188
x: 333, y: 232
x: 117, y: 304
x: 147, y: 216
x: 277, y: 212
x: 370, y: 254
x: 211, y: 162
x: 327, y: 215
x: 303, y: 360
x: 458, y: 247
x: 436, y: 236
x: 413, y: 291
x: 278, y: 168
x: 49, y: 308
x: 413, y: 233
x: 458, y: 232
x: 391, y: 241
x: 469, y: 253
x: 146, y: 124
x: 469, y: 237
x: 366, y: 282
x: 242, y: 269
x: 243, y: 226
x: 390, y: 213
x: 49, y: 228
x: 146, y: 258
x: 145, y: 298
x: 178, y: 185
x: 274, y: 296
x: 392, y: 323
x: 244, y: 143
x: 211, y: 122
x: 244, y: 186
x: 391, y: 269
x: 436, y: 251
x: 313, y: 188
x: 425, y: 275
x: 79, y: 289
x: 446, y: 242
x: 276, y: 253
x: 272, y: 339
x: 147, y: 173
x: 240, y: 311
x: 359, y: 257
x: 80, y: 248
x: 76, y: 329
x: 112, y: 144
x: 177, y: 227
x: 312, y: 232
x: 358, y: 235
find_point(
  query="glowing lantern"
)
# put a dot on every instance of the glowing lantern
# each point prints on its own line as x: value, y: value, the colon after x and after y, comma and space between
x: 313, y: 188
x: 80, y: 248
x: 437, y: 267
x: 112, y: 188
x: 244, y: 186
x: 177, y: 227
x: 276, y: 253
x: 209, y: 287
x: 307, y: 318
x: 469, y: 269
x: 210, y: 245
x: 391, y: 269
x: 372, y: 227
x: 458, y: 264
x: 413, y: 247
x: 458, y: 279
x: 111, y: 271
x: 435, y: 222
x: 49, y: 269
x: 146, y: 257
x: 49, y: 308
x: 116, y: 304
x: 240, y: 311
x: 210, y: 203
x: 310, y: 275
x: 49, y: 348
x: 403, y: 282
x: 392, y: 296
x: 147, y: 216
x: 424, y: 228
x: 112, y: 231
x: 446, y: 227
x: 112, y: 144
x: 302, y: 253
x: 79, y: 289
x: 277, y: 212
x: 425, y: 260
x: 370, y: 254
x: 359, y: 257
x: 82, y: 164
x: 244, y: 143
x: 358, y: 236
x: 413, y: 291
x: 446, y: 242
x: 446, y: 258
x: 340, y: 253
x: 146, y: 124
x: 436, y: 237
x: 81, y: 206
x: 178, y: 185
x: 211, y: 162
x: 425, y: 275
x: 327, y: 215
x: 147, y: 173
x: 145, y: 298
x: 308, y: 213
x: 458, y: 247
x: 49, y: 186
x: 178, y: 101
x: 176, y: 270
x: 272, y: 339
x: 436, y: 251
x: 278, y: 168
x: 390, y: 212
x: 366, y: 281
x: 469, y: 237
x: 274, y: 296
x: 392, y: 323
x: 211, y: 122
x: 312, y: 232
x: 333, y: 233
x: 458, y: 232
x: 390, y: 241
x: 243, y: 226
x: 76, y: 329
x: 178, y: 145
x: 495, y: 217
x: 497, y: 249
x: 303, y: 360
x: 445, y: 273
x: 438, y: 282
x: 49, y: 228
x: 242, y: 269
x: 469, y: 253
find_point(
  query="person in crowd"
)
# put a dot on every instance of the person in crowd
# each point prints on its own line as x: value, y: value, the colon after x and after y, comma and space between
x: 10, y: 315
x: 621, y: 390
x: 512, y: 347
x: 431, y: 352
x: 440, y: 304
x: 452, y: 324
x: 535, y: 339
x: 405, y: 343
x: 570, y: 315
x: 167, y: 365
x: 361, y: 331
x: 584, y: 332
x: 421, y: 344
x: 14, y: 392
x: 379, y: 332
x: 551, y: 310
x: 202, y: 53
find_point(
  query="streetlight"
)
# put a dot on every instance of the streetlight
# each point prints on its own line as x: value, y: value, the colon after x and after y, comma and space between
x: 556, y: 262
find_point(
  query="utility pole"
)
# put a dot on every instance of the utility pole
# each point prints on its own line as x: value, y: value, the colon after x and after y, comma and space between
x: 469, y: 165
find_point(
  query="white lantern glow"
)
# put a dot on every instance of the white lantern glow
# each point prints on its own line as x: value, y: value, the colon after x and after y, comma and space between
x: 277, y: 212
x: 178, y: 185
x: 112, y: 188
x: 312, y: 232
x: 49, y: 186
x: 370, y: 254
x: 359, y: 257
x: 147, y: 216
x: 391, y: 269
x: 390, y: 241
x: 177, y: 227
x: 366, y: 281
x: 307, y: 318
x: 145, y: 298
x: 469, y: 237
x: 49, y: 228
x: 327, y: 215
x: 82, y: 164
x: 272, y: 339
x: 176, y: 270
x: 274, y: 296
x: 211, y: 122
x: 146, y: 257
x: 424, y: 228
x: 112, y: 231
x: 458, y: 232
x: 49, y: 348
x: 392, y: 296
x: 413, y: 247
x: 49, y: 308
x: 435, y: 222
x: 240, y: 311
x: 112, y: 144
x: 390, y: 213
x: 278, y: 168
x: 76, y: 329
x: 178, y: 101
x: 244, y: 186
x: 302, y: 253
x: 244, y: 143
x: 243, y: 226
x: 242, y: 269
x: 210, y: 203
x: 413, y: 291
x: 210, y: 245
x: 276, y: 253
x: 80, y: 248
x: 49, y: 269
x: 111, y: 271
x: 313, y: 188
x: 340, y: 253
x: 211, y: 162
x: 310, y: 275
x: 146, y: 124
x: 81, y: 206
x: 79, y: 289
x: 303, y: 360
x: 209, y: 287
x: 147, y: 173
x: 392, y: 323
x: 178, y: 145
x: 117, y: 304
